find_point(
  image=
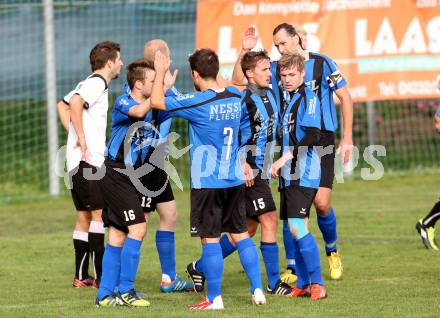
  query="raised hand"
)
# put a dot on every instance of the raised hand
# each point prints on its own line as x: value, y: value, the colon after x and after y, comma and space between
x: 249, y: 39
x: 161, y: 62
x: 170, y: 79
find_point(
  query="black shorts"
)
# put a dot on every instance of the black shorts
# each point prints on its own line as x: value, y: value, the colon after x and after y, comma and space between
x: 214, y: 211
x: 157, y: 182
x: 328, y: 160
x: 296, y: 202
x: 122, y: 206
x: 86, y: 194
x: 259, y: 199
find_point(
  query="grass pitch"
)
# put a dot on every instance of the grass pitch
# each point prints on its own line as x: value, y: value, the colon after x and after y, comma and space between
x: 387, y: 271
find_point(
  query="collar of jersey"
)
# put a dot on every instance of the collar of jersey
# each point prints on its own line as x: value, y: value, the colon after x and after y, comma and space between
x: 254, y: 88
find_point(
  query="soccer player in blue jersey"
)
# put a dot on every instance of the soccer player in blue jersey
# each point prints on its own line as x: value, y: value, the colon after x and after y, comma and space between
x: 324, y: 78
x: 160, y: 195
x: 217, y: 188
x: 123, y: 214
x: 258, y: 126
x: 300, y: 172
x: 426, y: 226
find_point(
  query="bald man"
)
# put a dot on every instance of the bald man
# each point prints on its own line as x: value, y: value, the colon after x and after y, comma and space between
x: 152, y: 46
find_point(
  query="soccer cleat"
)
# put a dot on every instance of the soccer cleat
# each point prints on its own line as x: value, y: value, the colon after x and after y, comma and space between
x: 281, y: 288
x: 178, y: 285
x: 317, y: 292
x: 108, y: 301
x: 82, y: 283
x: 95, y: 284
x: 205, y: 304
x: 427, y: 234
x: 131, y: 298
x: 258, y: 297
x: 300, y: 292
x: 197, y: 278
x: 334, y: 265
x: 288, y: 277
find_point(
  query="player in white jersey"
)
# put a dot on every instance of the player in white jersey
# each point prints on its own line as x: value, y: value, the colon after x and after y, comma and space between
x: 83, y: 113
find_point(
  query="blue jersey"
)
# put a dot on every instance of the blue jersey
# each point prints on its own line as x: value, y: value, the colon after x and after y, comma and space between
x: 323, y: 77
x: 156, y: 118
x: 303, y: 111
x: 258, y: 126
x: 138, y: 139
x: 214, y: 122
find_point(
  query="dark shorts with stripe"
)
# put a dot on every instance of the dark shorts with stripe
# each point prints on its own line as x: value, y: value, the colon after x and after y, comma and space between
x: 122, y: 206
x: 296, y: 202
x: 214, y: 211
x: 158, y: 184
x: 328, y: 160
x: 259, y: 199
x: 86, y: 193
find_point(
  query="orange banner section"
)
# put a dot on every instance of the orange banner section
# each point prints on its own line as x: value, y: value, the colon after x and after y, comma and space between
x: 386, y: 49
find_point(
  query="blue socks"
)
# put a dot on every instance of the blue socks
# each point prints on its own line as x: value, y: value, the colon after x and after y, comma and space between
x: 129, y: 264
x: 327, y: 225
x: 270, y: 254
x: 166, y: 251
x: 301, y: 269
x: 250, y: 261
x: 289, y: 245
x: 227, y: 247
x: 111, y: 265
x: 310, y: 253
x: 212, y: 263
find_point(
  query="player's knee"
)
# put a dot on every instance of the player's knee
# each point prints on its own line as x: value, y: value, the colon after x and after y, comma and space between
x: 269, y: 222
x: 83, y: 221
x: 116, y: 237
x: 298, y: 227
x: 168, y: 214
x: 96, y: 215
x: 169, y: 218
x: 252, y: 227
x: 137, y: 231
x: 322, y: 206
x: 237, y: 237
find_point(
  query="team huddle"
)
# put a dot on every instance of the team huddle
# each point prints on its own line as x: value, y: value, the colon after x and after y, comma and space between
x: 274, y: 119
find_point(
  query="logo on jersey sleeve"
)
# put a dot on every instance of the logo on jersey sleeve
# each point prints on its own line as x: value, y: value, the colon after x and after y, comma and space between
x: 123, y: 101
x: 184, y: 96
x: 334, y: 78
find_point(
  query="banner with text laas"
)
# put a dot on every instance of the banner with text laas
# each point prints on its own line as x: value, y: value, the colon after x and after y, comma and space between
x: 386, y: 49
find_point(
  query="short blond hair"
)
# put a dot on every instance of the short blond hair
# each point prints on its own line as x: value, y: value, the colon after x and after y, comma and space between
x: 288, y: 61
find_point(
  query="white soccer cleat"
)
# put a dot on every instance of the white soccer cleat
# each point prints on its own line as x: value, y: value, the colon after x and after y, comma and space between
x: 258, y: 297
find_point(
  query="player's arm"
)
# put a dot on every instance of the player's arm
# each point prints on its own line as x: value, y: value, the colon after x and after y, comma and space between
x: 161, y: 66
x: 76, y: 110
x: 248, y: 43
x: 244, y: 144
x: 338, y: 84
x: 63, y: 110
x: 346, y: 143
x: 140, y: 110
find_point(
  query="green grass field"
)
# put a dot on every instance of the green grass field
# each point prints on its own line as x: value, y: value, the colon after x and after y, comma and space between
x: 388, y: 272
